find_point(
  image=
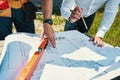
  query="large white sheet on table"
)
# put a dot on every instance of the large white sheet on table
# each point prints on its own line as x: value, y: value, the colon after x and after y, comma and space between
x: 74, y: 58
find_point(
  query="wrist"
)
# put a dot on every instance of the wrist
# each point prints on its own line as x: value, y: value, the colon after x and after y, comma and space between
x: 49, y: 21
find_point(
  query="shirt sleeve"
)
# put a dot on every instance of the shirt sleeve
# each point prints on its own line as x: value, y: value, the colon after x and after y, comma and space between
x: 110, y: 12
x: 65, y: 8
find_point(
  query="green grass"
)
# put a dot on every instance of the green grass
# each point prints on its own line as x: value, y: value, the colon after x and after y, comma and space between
x: 113, y: 35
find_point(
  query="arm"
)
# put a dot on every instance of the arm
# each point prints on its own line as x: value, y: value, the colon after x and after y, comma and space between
x: 47, y: 9
x: 110, y: 12
x: 66, y: 6
x: 70, y: 11
x: 47, y: 28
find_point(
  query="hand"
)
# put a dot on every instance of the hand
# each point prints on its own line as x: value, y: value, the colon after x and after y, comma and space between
x: 97, y: 41
x: 49, y: 33
x: 75, y: 14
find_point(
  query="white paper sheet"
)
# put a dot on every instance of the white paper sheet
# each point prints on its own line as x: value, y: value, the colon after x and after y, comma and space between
x: 74, y: 58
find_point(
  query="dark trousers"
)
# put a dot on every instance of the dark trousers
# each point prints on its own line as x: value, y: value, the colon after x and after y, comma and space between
x: 79, y: 25
x: 19, y: 22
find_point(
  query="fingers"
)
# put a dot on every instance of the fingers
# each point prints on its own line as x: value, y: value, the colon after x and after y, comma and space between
x: 52, y: 41
x: 51, y: 38
x: 49, y: 32
x: 97, y: 41
x: 78, y: 9
x: 75, y: 14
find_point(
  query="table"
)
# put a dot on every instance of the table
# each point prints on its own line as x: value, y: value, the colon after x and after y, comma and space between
x: 74, y: 58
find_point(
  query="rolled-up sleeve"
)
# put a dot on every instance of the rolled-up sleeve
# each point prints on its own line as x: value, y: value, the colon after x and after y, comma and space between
x: 110, y: 12
x: 65, y: 8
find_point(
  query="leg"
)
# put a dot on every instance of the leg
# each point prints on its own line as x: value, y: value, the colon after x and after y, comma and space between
x: 20, y: 24
x: 81, y: 26
x: 69, y: 26
x: 5, y: 27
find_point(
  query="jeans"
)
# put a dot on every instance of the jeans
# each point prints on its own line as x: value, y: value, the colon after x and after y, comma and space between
x: 19, y: 22
x: 79, y: 25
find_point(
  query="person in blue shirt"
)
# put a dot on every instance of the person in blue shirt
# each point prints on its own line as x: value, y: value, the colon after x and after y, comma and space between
x: 74, y: 10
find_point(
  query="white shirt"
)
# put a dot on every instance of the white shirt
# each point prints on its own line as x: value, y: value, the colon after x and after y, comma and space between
x: 90, y: 7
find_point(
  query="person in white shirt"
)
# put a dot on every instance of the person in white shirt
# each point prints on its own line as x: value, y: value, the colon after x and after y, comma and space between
x: 73, y: 10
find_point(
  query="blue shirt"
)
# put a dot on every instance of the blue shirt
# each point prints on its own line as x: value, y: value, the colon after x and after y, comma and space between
x: 90, y: 7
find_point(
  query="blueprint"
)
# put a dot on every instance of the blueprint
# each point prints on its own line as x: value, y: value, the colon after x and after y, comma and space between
x: 74, y: 58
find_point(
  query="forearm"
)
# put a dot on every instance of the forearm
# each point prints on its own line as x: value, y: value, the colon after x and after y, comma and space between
x: 110, y: 12
x: 65, y: 12
x: 66, y: 7
x: 47, y: 9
